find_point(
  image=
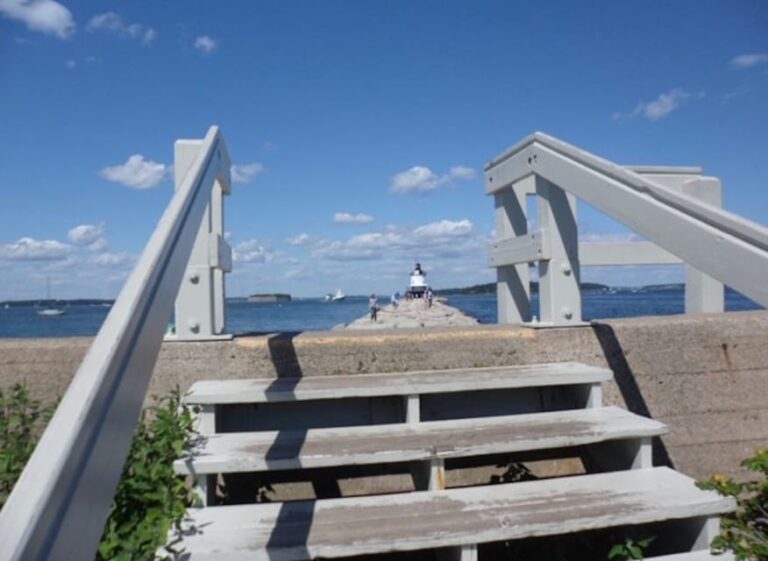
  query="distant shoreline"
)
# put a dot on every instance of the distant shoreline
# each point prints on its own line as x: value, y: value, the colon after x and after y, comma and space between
x: 490, y: 288
x: 487, y: 288
x: 56, y: 302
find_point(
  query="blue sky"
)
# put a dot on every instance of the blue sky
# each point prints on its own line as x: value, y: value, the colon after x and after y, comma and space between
x: 359, y: 129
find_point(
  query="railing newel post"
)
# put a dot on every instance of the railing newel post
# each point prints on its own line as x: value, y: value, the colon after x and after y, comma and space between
x: 559, y: 276
x: 703, y: 294
x: 513, y: 286
x: 200, y: 311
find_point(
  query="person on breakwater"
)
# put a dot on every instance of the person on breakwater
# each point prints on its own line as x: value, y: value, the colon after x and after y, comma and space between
x: 395, y: 301
x: 373, y: 305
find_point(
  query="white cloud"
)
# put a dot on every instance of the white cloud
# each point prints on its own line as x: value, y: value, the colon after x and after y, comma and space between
x: 749, y: 60
x: 735, y: 94
x: 301, y: 239
x: 30, y: 249
x: 136, y: 173
x: 46, y: 16
x: 98, y: 245
x: 149, y: 36
x: 347, y: 218
x: 205, y: 44
x: 462, y: 172
x: 251, y: 251
x: 662, y: 105
x: 443, y: 229
x: 658, y: 108
x: 110, y: 22
x: 113, y: 259
x: 243, y: 173
x: 417, y: 178
x: 445, y: 238
x: 86, y: 234
x: 421, y: 178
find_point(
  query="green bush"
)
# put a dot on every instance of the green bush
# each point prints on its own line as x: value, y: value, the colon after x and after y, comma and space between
x: 745, y: 531
x: 22, y: 421
x: 150, y: 499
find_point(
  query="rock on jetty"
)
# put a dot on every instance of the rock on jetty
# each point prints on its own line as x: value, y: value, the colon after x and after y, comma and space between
x: 413, y: 314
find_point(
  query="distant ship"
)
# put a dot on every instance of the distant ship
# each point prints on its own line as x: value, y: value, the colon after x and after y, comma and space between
x: 50, y: 311
x: 276, y: 297
x: 336, y: 296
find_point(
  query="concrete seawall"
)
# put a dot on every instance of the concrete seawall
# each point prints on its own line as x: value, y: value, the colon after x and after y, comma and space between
x: 706, y: 376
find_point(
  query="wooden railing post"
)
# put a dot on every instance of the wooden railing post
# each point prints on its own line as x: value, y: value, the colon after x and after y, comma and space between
x: 513, y: 287
x: 200, y: 303
x: 703, y: 294
x: 559, y: 276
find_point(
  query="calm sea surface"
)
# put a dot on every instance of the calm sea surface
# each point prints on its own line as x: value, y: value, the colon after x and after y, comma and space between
x: 315, y: 314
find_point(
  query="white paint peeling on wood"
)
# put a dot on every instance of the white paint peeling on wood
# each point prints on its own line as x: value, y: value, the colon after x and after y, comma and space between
x: 456, y: 517
x: 313, y: 448
x: 262, y: 390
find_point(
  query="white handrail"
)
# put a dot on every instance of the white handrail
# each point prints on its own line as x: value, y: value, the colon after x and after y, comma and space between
x: 710, y: 240
x: 518, y: 167
x: 60, y: 503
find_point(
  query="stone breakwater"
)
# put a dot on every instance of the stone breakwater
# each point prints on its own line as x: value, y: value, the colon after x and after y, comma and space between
x: 413, y: 314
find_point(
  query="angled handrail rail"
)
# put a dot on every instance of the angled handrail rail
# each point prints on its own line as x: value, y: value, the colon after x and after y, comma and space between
x: 719, y: 243
x: 60, y: 503
x: 729, y: 222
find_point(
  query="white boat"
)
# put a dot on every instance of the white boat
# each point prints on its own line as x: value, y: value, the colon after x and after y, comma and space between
x: 50, y: 311
x: 336, y: 296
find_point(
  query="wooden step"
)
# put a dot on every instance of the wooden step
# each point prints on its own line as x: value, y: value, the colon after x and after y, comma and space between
x: 315, y: 448
x: 704, y: 555
x: 214, y: 392
x: 434, y: 519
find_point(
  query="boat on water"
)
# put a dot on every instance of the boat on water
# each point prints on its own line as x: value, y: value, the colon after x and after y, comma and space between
x: 50, y: 310
x: 336, y: 296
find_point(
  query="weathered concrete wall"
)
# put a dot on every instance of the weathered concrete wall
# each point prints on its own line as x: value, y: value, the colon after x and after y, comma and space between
x: 706, y: 376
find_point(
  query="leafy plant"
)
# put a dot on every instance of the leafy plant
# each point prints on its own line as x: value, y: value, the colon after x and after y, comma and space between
x: 630, y: 549
x: 745, y: 531
x: 150, y: 499
x: 22, y: 421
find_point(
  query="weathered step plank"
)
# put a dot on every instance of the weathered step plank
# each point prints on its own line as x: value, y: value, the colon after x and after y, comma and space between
x: 704, y: 555
x: 314, y: 448
x: 425, y: 520
x: 262, y: 390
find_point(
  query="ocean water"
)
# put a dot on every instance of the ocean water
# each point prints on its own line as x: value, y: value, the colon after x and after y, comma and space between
x: 315, y: 314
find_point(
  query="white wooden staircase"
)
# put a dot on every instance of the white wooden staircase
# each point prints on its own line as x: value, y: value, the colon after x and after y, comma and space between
x: 427, y: 420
